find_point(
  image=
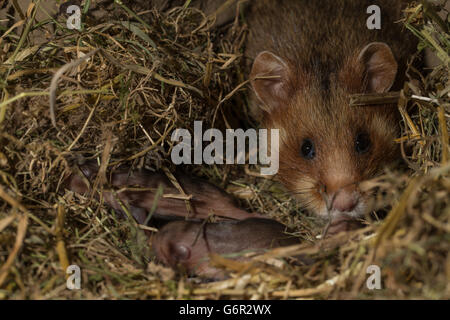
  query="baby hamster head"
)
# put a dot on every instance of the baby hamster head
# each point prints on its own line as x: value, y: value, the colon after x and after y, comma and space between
x: 326, y: 147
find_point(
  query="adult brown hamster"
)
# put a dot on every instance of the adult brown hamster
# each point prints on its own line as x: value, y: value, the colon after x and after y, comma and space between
x: 314, y: 54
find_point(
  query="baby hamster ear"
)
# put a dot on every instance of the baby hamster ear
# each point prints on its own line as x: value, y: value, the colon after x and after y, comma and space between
x: 380, y: 67
x: 180, y: 252
x: 273, y: 90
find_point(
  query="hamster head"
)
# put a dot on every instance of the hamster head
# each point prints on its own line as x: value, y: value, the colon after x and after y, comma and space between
x: 327, y: 148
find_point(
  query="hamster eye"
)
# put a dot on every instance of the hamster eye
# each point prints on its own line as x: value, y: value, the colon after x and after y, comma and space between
x: 362, y: 143
x: 307, y: 150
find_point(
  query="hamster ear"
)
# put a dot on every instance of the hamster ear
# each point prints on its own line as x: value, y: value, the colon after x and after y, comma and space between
x: 380, y: 67
x: 273, y: 91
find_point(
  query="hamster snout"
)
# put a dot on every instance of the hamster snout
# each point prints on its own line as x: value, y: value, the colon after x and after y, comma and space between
x: 345, y: 201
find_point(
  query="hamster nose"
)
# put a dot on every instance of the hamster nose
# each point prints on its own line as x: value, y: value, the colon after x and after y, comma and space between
x: 345, y: 201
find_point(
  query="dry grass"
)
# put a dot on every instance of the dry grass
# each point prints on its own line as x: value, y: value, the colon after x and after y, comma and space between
x: 158, y: 71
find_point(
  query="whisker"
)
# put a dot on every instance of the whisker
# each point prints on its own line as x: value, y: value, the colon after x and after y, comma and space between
x: 302, y: 190
x: 307, y: 203
x: 299, y: 193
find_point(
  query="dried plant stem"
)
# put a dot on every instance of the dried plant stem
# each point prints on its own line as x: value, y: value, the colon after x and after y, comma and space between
x: 364, y: 99
x: 444, y: 135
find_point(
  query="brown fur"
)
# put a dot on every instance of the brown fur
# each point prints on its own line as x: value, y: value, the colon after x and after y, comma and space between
x: 317, y: 37
x: 336, y: 164
x: 321, y: 42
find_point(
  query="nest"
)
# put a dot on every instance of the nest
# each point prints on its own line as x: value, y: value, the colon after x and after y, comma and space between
x: 139, y: 76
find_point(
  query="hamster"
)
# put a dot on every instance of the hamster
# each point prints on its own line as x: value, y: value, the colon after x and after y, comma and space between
x: 314, y: 54
x: 137, y: 190
x: 187, y: 244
